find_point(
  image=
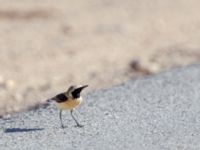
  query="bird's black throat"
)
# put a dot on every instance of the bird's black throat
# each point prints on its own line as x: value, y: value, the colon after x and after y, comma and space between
x: 76, y: 93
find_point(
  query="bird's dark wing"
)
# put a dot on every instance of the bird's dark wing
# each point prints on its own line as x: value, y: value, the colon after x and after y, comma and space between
x: 60, y: 98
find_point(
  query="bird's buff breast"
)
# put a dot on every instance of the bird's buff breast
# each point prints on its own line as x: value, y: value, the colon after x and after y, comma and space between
x: 69, y: 104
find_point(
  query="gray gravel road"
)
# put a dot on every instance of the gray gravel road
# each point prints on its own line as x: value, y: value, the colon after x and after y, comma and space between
x: 158, y: 112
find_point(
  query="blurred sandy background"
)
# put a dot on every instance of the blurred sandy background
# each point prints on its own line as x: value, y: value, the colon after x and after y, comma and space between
x: 48, y: 45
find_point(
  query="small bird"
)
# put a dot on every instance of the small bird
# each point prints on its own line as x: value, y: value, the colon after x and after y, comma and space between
x: 69, y: 100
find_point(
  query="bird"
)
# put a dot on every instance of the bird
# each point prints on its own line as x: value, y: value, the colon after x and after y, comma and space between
x: 69, y: 100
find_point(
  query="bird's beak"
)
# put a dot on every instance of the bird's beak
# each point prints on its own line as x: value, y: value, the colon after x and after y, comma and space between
x: 77, y: 91
x: 82, y: 87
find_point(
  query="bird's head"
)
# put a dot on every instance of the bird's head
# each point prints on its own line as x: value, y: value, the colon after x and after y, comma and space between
x: 75, y: 91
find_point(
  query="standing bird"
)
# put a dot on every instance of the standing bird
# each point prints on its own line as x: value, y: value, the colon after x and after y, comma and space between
x: 69, y: 100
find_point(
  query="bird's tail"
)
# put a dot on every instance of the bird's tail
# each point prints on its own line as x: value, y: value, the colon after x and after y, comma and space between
x: 45, y: 105
x: 50, y: 99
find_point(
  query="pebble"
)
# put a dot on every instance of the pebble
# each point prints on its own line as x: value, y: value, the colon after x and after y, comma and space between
x: 136, y: 65
x: 155, y: 68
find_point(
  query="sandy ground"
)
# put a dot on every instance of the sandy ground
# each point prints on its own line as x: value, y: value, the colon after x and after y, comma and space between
x: 47, y: 45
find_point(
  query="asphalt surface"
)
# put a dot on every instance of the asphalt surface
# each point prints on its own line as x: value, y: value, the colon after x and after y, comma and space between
x: 160, y: 112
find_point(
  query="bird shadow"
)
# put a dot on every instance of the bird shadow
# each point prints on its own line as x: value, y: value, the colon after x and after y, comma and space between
x: 15, y: 130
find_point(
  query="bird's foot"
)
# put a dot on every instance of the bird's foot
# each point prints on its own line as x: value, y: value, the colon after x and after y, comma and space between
x: 79, y: 125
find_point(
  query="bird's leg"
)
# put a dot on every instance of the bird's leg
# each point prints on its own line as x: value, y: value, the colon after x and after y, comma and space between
x: 77, y: 123
x: 60, y: 116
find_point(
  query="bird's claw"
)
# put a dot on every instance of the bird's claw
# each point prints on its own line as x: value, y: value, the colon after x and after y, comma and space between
x: 79, y: 125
